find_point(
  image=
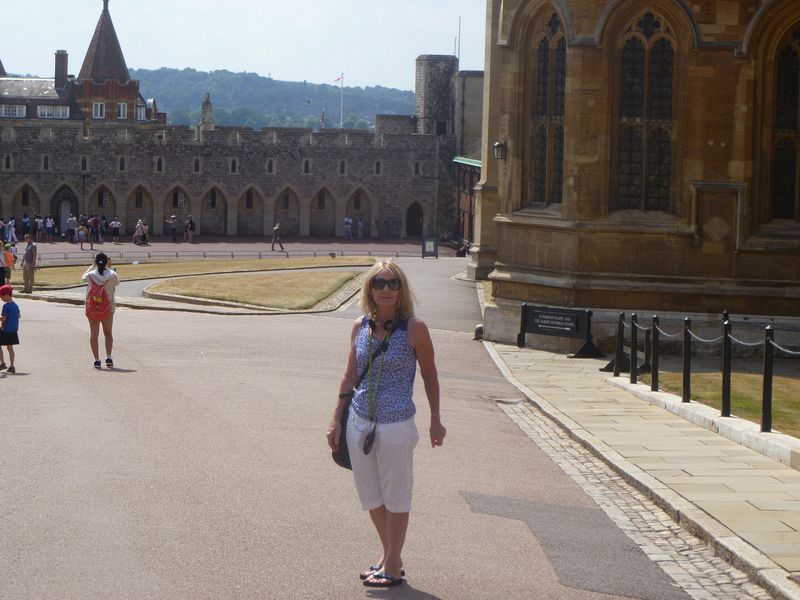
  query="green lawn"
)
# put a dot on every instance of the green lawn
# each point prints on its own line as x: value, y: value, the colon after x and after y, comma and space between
x: 295, y: 290
x: 746, y: 394
x: 60, y: 277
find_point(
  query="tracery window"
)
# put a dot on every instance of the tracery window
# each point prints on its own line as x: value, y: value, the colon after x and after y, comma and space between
x: 644, y: 129
x: 545, y: 168
x: 786, y: 131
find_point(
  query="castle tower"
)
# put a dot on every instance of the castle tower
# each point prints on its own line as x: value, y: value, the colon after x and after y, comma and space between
x: 207, y: 114
x: 435, y: 94
x: 104, y: 59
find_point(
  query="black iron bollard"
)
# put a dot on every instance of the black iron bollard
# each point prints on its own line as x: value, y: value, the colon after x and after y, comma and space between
x: 687, y: 360
x: 634, y: 348
x: 654, y: 370
x: 726, y: 369
x: 766, y: 400
x: 620, y: 342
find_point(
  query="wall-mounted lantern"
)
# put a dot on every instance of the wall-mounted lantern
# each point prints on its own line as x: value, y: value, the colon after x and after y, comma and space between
x: 499, y: 151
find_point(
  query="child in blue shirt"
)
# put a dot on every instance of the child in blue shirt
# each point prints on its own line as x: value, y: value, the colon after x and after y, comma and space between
x: 9, y: 327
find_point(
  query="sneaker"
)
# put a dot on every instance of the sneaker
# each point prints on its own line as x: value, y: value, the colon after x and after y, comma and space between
x: 2, y: 366
x: 11, y: 370
x: 97, y: 364
x: 109, y: 363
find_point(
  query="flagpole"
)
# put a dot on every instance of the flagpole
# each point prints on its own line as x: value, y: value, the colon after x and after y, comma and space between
x: 341, y: 102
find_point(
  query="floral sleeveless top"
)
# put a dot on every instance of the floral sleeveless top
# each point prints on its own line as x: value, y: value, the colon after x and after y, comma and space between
x: 392, y: 399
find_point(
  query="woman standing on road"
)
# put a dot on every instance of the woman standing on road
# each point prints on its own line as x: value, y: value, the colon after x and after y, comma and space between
x: 101, y: 285
x: 386, y: 343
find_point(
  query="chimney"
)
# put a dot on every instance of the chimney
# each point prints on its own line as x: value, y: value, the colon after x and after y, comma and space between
x: 61, y: 69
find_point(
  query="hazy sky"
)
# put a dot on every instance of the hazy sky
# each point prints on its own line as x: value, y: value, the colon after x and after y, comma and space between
x: 373, y: 42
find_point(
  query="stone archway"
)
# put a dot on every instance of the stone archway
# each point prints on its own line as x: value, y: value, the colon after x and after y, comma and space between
x: 322, y: 220
x: 139, y: 205
x: 250, y: 213
x: 287, y: 213
x: 359, y: 207
x: 214, y: 213
x: 414, y: 220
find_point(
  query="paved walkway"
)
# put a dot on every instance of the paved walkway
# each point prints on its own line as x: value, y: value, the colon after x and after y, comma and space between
x: 746, y: 504
x: 742, y: 502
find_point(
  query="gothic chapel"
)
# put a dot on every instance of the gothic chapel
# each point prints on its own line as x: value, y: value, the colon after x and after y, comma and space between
x: 640, y: 155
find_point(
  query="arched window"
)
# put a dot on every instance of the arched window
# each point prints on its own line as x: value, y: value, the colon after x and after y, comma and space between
x: 377, y: 167
x: 644, y: 127
x: 234, y: 165
x: 84, y: 164
x: 270, y: 167
x: 306, y: 167
x: 196, y: 165
x: 212, y: 199
x: 249, y: 199
x: 26, y: 197
x: 45, y: 163
x: 545, y: 162
x: 342, y: 167
x: 121, y: 163
x: 357, y: 200
x: 786, y: 131
x: 160, y: 165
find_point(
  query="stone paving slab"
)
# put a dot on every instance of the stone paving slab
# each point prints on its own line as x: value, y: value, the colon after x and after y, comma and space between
x: 740, y: 501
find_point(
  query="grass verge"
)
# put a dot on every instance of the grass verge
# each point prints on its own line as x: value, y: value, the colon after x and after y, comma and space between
x: 746, y: 394
x: 289, y: 291
x: 60, y: 277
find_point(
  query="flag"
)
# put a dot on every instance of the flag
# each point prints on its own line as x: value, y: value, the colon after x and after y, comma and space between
x: 322, y: 119
x: 338, y: 79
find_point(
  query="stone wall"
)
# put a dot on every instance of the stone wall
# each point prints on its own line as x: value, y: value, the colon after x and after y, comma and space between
x: 391, y: 171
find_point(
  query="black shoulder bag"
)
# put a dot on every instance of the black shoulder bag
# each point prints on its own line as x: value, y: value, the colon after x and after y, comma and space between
x: 342, y: 456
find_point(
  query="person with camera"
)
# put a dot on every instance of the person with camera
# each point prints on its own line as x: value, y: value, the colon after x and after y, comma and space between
x: 386, y: 344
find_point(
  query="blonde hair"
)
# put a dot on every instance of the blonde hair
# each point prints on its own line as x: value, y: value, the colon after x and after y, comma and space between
x: 405, y: 300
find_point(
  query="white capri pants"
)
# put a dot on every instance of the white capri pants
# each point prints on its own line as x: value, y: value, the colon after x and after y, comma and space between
x: 384, y: 477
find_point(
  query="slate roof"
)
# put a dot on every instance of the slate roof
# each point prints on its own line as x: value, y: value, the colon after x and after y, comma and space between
x: 27, y: 87
x: 104, y: 59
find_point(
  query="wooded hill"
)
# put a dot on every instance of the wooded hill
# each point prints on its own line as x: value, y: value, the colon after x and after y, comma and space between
x: 250, y: 100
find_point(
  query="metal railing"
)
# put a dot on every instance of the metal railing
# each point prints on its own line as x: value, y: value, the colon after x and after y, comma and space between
x: 653, y: 335
x: 56, y: 258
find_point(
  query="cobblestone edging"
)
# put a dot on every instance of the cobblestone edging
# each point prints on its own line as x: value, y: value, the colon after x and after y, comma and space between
x: 689, y: 561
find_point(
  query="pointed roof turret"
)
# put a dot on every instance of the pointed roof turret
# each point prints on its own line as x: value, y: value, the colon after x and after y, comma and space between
x: 104, y: 59
x: 2, y: 70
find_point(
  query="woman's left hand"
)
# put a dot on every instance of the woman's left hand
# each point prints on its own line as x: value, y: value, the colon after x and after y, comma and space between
x: 438, y: 431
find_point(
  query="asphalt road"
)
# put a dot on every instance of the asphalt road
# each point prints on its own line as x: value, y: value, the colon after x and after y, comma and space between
x: 199, y: 468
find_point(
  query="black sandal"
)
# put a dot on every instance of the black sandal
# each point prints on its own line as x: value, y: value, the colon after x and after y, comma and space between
x: 379, y: 579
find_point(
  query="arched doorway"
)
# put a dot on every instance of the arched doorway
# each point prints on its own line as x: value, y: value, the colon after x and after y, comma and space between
x: 63, y: 204
x: 414, y: 219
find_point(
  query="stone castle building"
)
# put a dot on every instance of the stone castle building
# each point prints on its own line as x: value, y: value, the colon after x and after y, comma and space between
x: 640, y: 154
x: 93, y: 144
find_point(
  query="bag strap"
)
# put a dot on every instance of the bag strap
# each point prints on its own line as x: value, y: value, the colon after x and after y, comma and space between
x: 381, y: 348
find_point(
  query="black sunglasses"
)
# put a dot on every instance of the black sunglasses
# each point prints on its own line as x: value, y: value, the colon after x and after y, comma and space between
x: 379, y: 283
